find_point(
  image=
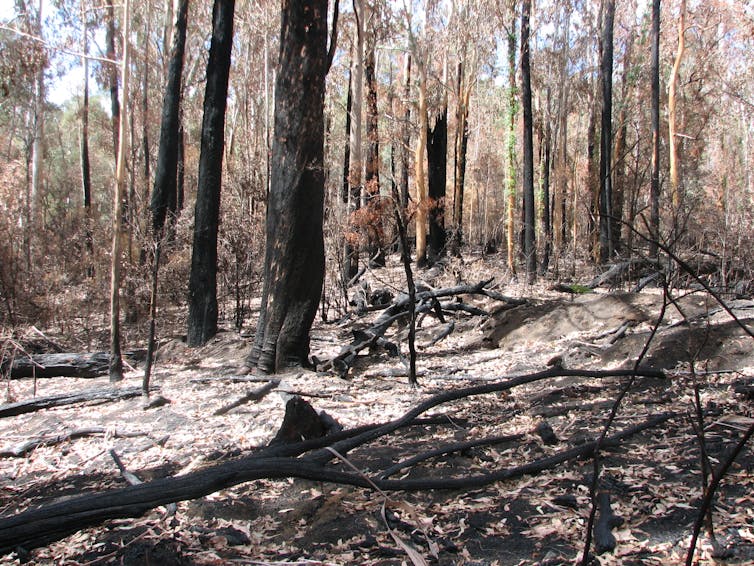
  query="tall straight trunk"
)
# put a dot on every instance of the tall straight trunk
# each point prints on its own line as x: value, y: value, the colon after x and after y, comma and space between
x: 180, y: 169
x: 619, y: 152
x: 294, y: 251
x: 606, y: 137
x: 38, y: 145
x: 112, y: 77
x: 420, y: 172
x: 459, y: 169
x: 86, y: 170
x: 675, y: 181
x: 116, y: 361
x: 654, y: 190
x: 546, y: 150
x: 510, y: 177
x: 375, y: 231
x: 164, y: 194
x: 347, y: 148
x: 530, y: 242
x: 145, y: 120
x: 202, y: 317
x: 592, y: 174
x: 559, y: 220
x: 356, y: 164
x: 406, y: 140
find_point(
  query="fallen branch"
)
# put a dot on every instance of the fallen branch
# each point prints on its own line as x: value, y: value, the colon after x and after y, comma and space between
x: 32, y: 444
x: 426, y: 301
x: 255, y: 395
x: 40, y: 403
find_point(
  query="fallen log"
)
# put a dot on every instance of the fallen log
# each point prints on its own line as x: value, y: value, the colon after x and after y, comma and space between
x: 32, y: 444
x: 81, y: 364
x: 40, y: 403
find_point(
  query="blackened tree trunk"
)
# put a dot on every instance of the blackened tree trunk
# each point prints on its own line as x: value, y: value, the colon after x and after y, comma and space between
x: 406, y: 142
x: 180, y: 170
x: 437, y: 157
x: 606, y: 136
x: 86, y: 172
x: 654, y: 191
x: 375, y: 231
x: 347, y: 150
x: 112, y: 76
x: 459, y: 169
x: 295, y: 253
x: 202, y: 317
x: 116, y: 359
x: 530, y: 252
x: 164, y: 194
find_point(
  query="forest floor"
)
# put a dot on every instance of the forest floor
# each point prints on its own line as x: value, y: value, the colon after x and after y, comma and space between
x: 654, y: 477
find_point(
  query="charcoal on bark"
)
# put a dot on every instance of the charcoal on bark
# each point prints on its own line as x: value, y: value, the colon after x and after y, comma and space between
x: 294, y: 254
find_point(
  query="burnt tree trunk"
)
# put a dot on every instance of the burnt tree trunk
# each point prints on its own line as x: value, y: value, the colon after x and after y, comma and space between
x: 530, y: 252
x: 406, y: 141
x: 164, y: 193
x: 606, y: 222
x: 202, y: 317
x: 459, y: 169
x: 437, y: 158
x: 295, y: 254
x: 375, y: 232
x: 112, y: 76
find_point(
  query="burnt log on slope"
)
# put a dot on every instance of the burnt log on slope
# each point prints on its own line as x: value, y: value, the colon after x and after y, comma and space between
x: 79, y: 364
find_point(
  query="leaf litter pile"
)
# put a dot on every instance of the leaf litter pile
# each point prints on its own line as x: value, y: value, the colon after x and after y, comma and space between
x: 650, y: 482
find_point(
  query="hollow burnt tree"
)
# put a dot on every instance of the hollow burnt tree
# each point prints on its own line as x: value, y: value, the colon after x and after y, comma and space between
x: 294, y: 252
x: 437, y: 155
x: 202, y: 318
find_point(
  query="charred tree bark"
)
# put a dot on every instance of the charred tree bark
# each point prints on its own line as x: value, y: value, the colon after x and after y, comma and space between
x: 375, y: 232
x: 116, y: 360
x: 202, y: 316
x: 437, y: 158
x: 166, y: 172
x: 86, y: 170
x: 606, y: 221
x: 294, y: 254
x: 405, y: 157
x: 461, y: 145
x: 112, y: 76
x: 530, y: 242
